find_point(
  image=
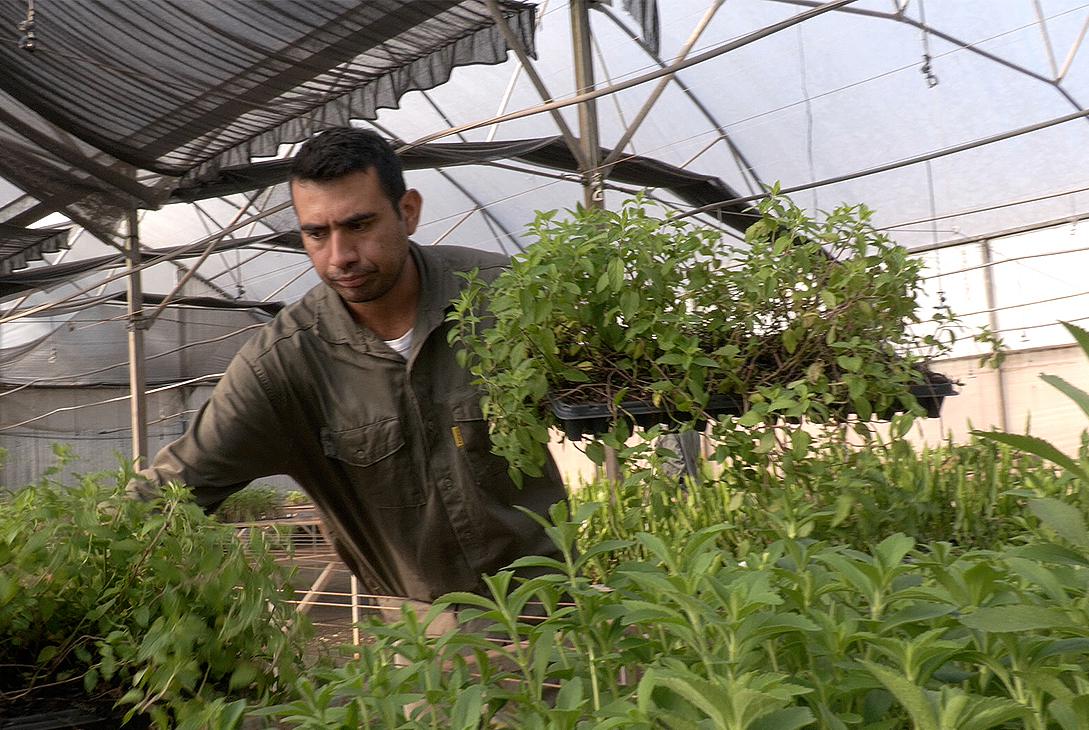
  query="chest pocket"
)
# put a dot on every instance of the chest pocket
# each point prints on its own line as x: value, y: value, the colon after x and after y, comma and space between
x: 470, y: 434
x: 376, y: 463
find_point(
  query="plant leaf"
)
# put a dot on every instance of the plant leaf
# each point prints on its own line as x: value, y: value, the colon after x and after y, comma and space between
x: 1080, y: 335
x: 466, y: 714
x: 1065, y: 519
x: 1037, y: 446
x: 1073, y: 392
x: 1006, y: 619
x: 788, y: 718
x: 914, y: 699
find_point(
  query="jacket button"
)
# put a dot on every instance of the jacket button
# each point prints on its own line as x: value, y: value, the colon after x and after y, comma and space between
x: 447, y: 483
x: 359, y: 453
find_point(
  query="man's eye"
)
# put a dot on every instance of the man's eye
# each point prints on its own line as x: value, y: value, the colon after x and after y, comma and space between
x: 314, y: 235
x: 358, y: 225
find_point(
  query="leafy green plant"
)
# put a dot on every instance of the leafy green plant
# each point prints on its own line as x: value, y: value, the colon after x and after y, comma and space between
x: 254, y: 502
x: 780, y: 591
x: 153, y: 606
x: 789, y: 634
x: 973, y: 495
x: 806, y: 319
x: 295, y: 497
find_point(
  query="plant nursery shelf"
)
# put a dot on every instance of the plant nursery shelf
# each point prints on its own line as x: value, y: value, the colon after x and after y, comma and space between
x: 590, y: 419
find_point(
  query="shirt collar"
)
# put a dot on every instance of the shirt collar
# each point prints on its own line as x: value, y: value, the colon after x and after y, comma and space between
x: 438, y: 287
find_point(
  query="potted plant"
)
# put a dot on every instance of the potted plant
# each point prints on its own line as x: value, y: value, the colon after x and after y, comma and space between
x: 621, y: 313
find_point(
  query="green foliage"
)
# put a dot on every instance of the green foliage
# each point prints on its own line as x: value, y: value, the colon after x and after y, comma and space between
x: 255, y: 502
x: 152, y: 605
x: 791, y: 633
x: 803, y: 581
x: 806, y: 319
x: 970, y: 495
x: 295, y: 497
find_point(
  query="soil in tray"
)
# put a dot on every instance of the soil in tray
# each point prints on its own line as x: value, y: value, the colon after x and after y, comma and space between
x: 580, y: 414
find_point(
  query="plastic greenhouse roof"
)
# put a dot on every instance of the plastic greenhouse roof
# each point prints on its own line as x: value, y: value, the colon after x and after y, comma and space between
x: 952, y: 119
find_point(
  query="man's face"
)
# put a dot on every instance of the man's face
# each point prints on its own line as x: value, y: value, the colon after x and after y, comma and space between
x: 356, y: 239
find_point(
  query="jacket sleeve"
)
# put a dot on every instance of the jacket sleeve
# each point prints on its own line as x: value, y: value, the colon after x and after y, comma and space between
x: 236, y: 437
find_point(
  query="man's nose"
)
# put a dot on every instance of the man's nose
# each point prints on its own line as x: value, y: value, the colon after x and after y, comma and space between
x: 342, y: 250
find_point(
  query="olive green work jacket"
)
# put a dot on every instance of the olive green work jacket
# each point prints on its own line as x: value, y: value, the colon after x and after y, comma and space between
x: 396, y: 454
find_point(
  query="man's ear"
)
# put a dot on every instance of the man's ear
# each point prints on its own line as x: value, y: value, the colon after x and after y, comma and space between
x: 411, y: 205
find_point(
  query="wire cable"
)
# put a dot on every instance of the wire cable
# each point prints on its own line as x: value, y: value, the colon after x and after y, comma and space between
x: 944, y: 152
x: 976, y: 267
x: 123, y: 363
x: 118, y: 399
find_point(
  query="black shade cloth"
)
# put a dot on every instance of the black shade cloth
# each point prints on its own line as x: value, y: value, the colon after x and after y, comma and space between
x: 150, y: 300
x: 645, y: 13
x: 550, y: 152
x: 44, y: 277
x: 182, y: 87
x: 19, y: 246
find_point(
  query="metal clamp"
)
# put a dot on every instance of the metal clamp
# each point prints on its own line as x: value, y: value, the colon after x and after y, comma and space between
x: 28, y: 41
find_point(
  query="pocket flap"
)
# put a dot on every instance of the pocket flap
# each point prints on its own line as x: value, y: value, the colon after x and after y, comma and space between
x: 467, y: 409
x: 365, y: 445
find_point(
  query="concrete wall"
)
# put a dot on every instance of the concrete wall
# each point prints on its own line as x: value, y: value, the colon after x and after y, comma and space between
x: 1028, y: 404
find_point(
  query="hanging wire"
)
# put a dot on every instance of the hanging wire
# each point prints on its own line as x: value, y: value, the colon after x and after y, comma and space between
x: 972, y: 211
x: 123, y: 363
x: 1024, y: 328
x: 934, y: 230
x: 1035, y: 303
x: 992, y: 264
x: 211, y: 378
x: 928, y: 73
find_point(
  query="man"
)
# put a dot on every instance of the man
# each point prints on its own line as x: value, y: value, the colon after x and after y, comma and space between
x: 355, y: 392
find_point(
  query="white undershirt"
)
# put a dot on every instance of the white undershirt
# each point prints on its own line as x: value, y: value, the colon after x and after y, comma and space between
x: 402, y: 344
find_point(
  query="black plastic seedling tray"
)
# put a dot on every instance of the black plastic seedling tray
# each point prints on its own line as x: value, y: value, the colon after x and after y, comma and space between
x: 67, y: 719
x: 932, y: 394
x: 589, y: 419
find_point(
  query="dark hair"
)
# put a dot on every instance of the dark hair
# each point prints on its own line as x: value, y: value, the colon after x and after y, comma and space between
x: 341, y: 151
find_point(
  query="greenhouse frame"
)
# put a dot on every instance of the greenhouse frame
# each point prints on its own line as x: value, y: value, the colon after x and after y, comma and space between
x: 822, y: 550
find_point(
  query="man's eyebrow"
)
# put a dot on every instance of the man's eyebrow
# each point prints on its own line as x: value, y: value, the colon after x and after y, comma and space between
x: 350, y: 220
x: 357, y: 218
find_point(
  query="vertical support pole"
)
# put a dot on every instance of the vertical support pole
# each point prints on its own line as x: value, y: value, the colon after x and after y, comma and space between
x: 592, y: 180
x: 355, y: 613
x: 185, y: 395
x: 992, y: 321
x: 136, y: 326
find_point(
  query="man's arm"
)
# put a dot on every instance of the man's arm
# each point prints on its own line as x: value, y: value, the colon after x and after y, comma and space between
x: 236, y: 437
